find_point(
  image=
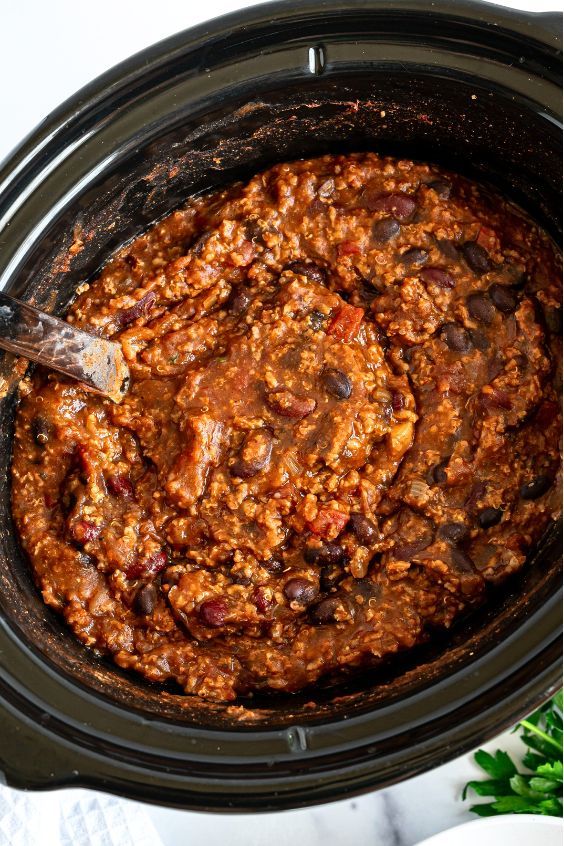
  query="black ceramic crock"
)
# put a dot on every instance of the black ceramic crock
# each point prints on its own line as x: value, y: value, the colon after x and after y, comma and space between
x: 471, y: 86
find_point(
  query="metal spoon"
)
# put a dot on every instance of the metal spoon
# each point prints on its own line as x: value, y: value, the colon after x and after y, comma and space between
x: 97, y: 363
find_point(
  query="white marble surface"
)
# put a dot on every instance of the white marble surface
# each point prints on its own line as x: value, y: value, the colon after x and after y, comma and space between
x: 47, y: 51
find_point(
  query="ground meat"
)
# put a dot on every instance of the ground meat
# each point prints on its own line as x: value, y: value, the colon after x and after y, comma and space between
x: 342, y: 424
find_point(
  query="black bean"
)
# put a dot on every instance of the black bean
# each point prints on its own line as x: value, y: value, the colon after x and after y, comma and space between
x: 172, y: 575
x: 476, y: 257
x: 503, y: 298
x: 414, y: 257
x: 456, y: 337
x: 312, y: 271
x: 85, y: 560
x: 489, y: 517
x: 336, y: 383
x: 274, y: 565
x: 41, y: 430
x: 386, y: 229
x: 441, y: 187
x: 479, y: 340
x: 448, y: 248
x: 197, y: 246
x: 323, y: 612
x: 145, y: 600
x: 240, y: 578
x: 317, y: 320
x: 363, y: 529
x: 325, y: 554
x: 480, y: 308
x: 330, y: 576
x: 239, y: 302
x: 253, y: 230
x: 301, y: 591
x: 536, y: 488
x: 453, y: 532
x: 437, y: 474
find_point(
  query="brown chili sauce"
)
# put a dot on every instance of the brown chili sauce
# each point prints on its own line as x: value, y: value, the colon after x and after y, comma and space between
x: 342, y: 425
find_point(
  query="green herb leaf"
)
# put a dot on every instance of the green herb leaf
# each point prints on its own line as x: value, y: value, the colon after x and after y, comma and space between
x: 538, y: 791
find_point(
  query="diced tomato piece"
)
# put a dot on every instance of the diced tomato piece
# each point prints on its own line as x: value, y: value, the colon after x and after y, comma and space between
x: 348, y: 248
x: 329, y: 523
x: 486, y: 238
x: 346, y: 323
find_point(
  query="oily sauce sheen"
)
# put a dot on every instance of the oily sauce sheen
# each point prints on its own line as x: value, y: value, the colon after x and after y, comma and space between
x: 342, y: 425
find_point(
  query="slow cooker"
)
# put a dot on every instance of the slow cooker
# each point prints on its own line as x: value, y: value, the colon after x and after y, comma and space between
x: 471, y: 86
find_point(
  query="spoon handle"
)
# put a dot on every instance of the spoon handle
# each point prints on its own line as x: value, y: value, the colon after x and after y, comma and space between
x: 97, y: 363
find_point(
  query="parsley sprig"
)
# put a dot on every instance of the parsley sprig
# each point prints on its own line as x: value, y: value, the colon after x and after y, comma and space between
x: 538, y: 791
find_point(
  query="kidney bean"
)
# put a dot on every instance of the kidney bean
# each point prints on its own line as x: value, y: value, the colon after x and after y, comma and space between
x: 448, y: 248
x: 441, y: 187
x: 312, y: 271
x: 536, y: 488
x: 489, y: 517
x: 41, y: 430
x: 363, y: 529
x: 325, y: 554
x: 480, y: 308
x: 385, y: 230
x: 145, y: 600
x: 239, y: 303
x: 151, y: 566
x: 301, y: 591
x: 287, y: 404
x: 453, y: 532
x: 262, y: 600
x: 212, y: 613
x: 414, y: 257
x: 495, y: 398
x: 84, y: 531
x: 323, y: 612
x: 456, y: 337
x: 120, y: 485
x: 479, y: 340
x: 129, y: 315
x: 503, y: 298
x: 438, y: 277
x: 401, y: 206
x: 476, y: 257
x: 254, y: 454
x: 336, y: 383
x: 406, y: 550
x: 398, y: 401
